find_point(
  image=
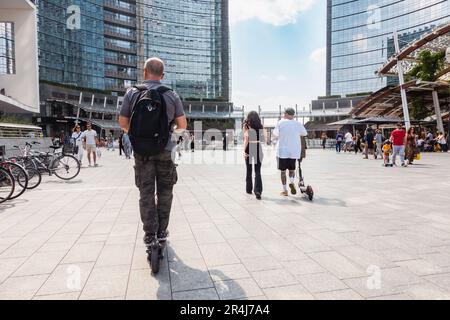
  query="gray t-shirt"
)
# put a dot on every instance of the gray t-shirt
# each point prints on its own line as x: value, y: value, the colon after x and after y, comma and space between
x: 174, y: 106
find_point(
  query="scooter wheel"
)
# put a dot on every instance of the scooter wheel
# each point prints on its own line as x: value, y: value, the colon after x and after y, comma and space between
x: 154, y: 260
x: 310, y: 193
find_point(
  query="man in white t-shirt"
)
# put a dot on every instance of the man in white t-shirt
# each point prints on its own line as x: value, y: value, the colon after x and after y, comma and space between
x: 90, y: 142
x: 288, y: 132
x: 348, y: 141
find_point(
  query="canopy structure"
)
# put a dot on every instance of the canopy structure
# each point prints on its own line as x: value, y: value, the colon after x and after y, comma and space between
x: 387, y: 102
x: 396, y: 101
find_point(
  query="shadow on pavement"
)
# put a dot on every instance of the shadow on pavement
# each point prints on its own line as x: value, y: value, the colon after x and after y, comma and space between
x: 189, y: 283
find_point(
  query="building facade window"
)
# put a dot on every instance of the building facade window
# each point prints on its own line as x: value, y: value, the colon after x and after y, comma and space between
x: 360, y: 38
x: 7, y: 55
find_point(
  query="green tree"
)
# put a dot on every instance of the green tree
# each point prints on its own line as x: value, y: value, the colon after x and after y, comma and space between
x: 428, y: 66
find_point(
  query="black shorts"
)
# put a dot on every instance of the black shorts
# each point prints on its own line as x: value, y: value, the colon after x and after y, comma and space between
x: 287, y: 164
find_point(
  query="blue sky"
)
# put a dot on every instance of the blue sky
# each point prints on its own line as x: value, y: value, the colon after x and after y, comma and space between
x: 278, y: 52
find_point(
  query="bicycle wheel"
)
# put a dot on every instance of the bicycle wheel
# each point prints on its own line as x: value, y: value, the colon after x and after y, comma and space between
x: 34, y: 178
x: 6, y: 185
x: 65, y: 167
x: 20, y: 178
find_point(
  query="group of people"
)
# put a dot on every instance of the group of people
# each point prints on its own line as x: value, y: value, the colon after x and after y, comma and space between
x: 407, y: 144
x: 85, y: 141
x: 290, y: 149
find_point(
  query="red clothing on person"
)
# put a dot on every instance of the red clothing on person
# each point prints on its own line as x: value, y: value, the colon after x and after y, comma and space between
x: 398, y: 137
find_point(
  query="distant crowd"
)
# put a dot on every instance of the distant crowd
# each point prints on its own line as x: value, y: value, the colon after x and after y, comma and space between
x: 406, y: 144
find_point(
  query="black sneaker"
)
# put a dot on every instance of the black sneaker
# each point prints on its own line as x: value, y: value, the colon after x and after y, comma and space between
x: 163, y: 235
x: 258, y: 196
x: 148, y: 239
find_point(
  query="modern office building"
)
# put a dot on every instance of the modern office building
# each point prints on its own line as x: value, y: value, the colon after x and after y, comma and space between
x: 193, y: 38
x: 19, y: 93
x: 92, y: 51
x: 360, y: 38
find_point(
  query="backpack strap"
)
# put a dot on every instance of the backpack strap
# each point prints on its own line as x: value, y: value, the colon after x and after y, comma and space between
x: 163, y: 89
x: 141, y: 87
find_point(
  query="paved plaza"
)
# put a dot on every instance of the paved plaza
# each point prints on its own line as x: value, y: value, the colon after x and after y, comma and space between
x: 371, y: 233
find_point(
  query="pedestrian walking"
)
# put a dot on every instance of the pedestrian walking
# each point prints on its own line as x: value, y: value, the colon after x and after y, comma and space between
x: 442, y: 140
x: 411, y: 148
x: 398, y: 139
x: 348, y: 141
x: 369, y: 147
x: 288, y: 132
x: 155, y: 170
x: 357, y: 143
x: 90, y: 142
x: 78, y: 143
x: 254, y: 138
x: 339, y: 139
x: 324, y: 138
x: 379, y: 143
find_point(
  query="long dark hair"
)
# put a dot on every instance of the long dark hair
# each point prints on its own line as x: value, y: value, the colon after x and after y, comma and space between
x: 253, y: 121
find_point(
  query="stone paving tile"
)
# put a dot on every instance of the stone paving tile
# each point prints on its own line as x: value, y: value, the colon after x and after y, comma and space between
x: 229, y: 272
x: 84, y: 252
x: 233, y: 231
x: 208, y: 236
x: 237, y: 289
x: 61, y: 296
x: 9, y: 266
x: 202, y: 294
x: 346, y: 294
x: 426, y: 291
x: 338, y: 264
x: 183, y: 250
x: 66, y: 278
x: 105, y: 282
x: 295, y: 292
x: 441, y: 280
x: 363, y: 257
x: 321, y: 282
x: 40, y: 263
x: 421, y: 267
x: 261, y: 263
x: 218, y: 254
x: 273, y: 278
x: 114, y: 255
x: 308, y: 244
x: 142, y: 285
x: 248, y: 248
x: 304, y: 266
x: 21, y: 288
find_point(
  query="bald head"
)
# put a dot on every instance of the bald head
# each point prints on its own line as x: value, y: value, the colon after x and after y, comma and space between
x: 154, y: 69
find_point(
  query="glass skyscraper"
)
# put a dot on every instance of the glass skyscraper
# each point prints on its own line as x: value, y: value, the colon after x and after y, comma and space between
x: 360, y: 38
x: 192, y: 37
x: 107, y: 49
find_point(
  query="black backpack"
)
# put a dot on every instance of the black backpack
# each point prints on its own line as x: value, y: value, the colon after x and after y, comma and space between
x: 149, y: 125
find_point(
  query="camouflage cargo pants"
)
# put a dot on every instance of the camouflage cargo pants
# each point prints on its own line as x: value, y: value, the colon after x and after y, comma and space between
x: 155, y: 177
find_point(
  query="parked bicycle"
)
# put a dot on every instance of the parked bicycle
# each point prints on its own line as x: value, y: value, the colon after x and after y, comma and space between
x: 64, y: 166
x: 7, y: 185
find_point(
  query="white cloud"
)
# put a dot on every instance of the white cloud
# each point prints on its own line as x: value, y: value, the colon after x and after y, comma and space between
x: 281, y: 77
x: 319, y: 55
x: 275, y: 12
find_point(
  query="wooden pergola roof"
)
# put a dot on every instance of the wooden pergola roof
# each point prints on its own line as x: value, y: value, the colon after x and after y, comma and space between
x: 387, y: 102
x: 435, y: 40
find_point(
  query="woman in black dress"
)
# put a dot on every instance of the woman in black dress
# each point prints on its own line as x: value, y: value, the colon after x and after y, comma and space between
x: 254, y: 137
